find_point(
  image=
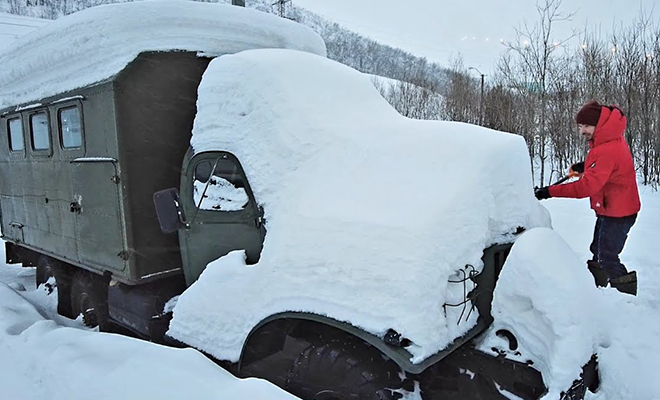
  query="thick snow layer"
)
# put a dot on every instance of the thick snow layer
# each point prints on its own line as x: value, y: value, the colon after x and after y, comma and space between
x: 368, y: 213
x: 629, y: 355
x: 93, y: 45
x: 547, y: 298
x: 42, y: 359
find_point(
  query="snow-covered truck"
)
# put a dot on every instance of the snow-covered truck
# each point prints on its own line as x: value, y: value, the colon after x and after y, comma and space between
x: 201, y: 174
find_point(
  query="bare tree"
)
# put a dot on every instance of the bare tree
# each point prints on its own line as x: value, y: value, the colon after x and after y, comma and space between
x: 531, y: 65
x: 460, y: 95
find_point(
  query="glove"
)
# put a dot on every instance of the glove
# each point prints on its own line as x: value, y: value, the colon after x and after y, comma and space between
x: 577, y: 168
x: 542, y: 193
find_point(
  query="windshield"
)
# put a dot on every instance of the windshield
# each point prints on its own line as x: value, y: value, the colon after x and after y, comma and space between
x: 222, y: 191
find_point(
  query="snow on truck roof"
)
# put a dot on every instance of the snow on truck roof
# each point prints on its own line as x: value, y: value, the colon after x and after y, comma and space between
x: 95, y: 44
x: 368, y: 213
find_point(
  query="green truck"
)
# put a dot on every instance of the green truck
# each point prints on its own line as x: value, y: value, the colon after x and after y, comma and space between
x: 98, y: 190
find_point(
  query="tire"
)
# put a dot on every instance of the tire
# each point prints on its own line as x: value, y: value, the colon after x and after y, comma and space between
x: 44, y: 272
x: 343, y: 370
x: 576, y: 392
x: 89, y: 298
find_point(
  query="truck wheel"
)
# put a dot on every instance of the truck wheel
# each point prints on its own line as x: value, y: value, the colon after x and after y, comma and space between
x: 88, y: 299
x: 44, y: 272
x: 341, y: 371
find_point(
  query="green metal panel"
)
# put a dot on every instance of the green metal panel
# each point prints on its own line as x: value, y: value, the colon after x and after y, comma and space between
x: 99, y: 228
x: 37, y: 187
x: 156, y: 104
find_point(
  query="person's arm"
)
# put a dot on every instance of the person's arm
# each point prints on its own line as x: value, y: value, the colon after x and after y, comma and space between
x: 594, y: 178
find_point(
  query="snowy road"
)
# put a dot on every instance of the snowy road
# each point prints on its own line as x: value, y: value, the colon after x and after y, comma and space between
x: 56, y: 358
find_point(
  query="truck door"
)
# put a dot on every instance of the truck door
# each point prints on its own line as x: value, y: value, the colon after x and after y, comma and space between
x: 221, y: 212
x: 100, y: 230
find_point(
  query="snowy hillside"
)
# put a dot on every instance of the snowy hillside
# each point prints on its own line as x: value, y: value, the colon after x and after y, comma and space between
x: 13, y: 27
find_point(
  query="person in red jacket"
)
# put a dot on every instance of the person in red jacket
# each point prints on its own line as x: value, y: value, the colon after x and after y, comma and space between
x: 608, y: 178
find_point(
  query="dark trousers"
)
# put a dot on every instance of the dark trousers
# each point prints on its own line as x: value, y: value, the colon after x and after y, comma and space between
x: 610, y: 236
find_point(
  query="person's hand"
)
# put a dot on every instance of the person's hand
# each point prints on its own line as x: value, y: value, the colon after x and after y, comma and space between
x: 542, y: 193
x: 576, y: 169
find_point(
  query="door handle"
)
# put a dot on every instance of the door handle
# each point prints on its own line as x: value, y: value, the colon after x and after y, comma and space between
x: 75, y: 207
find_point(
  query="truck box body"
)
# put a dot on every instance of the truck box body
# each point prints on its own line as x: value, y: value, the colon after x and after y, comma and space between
x: 135, y: 132
x: 125, y: 92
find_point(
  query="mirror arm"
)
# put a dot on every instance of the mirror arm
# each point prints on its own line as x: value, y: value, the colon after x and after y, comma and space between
x: 179, y: 212
x: 199, y: 205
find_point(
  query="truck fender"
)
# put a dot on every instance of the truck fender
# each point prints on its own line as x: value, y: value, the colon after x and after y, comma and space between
x: 279, y: 325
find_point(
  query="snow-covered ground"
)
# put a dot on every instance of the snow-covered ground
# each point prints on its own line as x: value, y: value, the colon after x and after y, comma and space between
x: 45, y: 356
x: 629, y: 327
x: 58, y: 359
x: 555, y: 308
x: 547, y: 297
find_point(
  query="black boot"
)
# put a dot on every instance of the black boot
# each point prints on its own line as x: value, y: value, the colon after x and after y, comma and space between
x: 626, y: 284
x: 600, y: 275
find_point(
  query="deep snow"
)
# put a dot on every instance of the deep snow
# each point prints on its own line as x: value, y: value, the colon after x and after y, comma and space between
x: 547, y: 297
x: 45, y: 356
x: 59, y: 359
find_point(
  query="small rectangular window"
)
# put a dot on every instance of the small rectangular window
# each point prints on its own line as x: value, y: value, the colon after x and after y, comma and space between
x: 39, y: 131
x: 70, y: 128
x: 15, y: 129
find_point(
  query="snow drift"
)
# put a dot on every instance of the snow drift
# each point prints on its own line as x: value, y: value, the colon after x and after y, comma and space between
x: 43, y: 360
x: 547, y: 298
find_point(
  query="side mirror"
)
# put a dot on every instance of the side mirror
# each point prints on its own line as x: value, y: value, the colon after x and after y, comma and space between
x: 169, y: 210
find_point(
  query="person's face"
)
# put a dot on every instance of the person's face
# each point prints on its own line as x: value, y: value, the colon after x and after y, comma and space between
x: 587, y: 131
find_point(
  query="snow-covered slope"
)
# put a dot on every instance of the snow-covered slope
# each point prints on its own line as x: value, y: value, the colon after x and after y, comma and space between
x: 12, y: 27
x: 368, y: 213
x: 95, y: 44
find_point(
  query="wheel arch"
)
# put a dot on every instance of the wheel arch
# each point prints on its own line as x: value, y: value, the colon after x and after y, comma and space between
x: 310, y: 325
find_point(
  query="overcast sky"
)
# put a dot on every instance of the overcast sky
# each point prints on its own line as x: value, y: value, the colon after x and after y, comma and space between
x: 440, y: 29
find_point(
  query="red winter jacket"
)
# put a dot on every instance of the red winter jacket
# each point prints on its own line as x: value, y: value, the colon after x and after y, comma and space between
x: 609, y: 174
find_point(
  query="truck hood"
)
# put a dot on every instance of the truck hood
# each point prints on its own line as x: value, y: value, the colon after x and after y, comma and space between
x: 368, y: 213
